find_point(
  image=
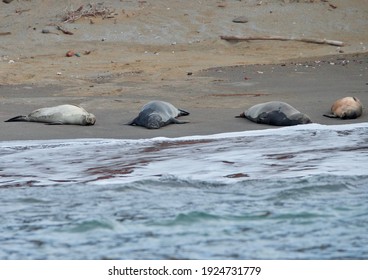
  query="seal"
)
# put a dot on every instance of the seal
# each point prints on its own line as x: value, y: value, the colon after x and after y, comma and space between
x: 156, y: 114
x: 62, y: 114
x: 275, y: 113
x: 346, y: 108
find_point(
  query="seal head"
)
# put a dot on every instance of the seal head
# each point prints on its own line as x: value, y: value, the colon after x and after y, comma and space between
x: 157, y: 114
x: 89, y: 119
x: 149, y: 119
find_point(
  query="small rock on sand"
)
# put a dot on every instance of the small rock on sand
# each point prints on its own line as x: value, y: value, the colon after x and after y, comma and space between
x: 241, y: 19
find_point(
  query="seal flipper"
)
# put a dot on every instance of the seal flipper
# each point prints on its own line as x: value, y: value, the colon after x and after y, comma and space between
x: 242, y: 115
x: 132, y: 122
x: 330, y: 115
x: 18, y: 119
x: 183, y: 113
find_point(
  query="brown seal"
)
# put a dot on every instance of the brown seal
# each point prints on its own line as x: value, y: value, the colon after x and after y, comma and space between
x: 346, y: 108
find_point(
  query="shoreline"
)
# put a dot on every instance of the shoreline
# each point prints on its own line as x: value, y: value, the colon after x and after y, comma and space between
x: 188, y: 139
x: 155, y: 50
x: 213, y: 97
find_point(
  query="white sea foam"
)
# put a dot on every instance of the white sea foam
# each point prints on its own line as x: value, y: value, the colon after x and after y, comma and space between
x: 297, y: 151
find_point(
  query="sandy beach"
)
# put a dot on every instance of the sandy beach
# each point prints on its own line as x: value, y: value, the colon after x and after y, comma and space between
x: 151, y: 50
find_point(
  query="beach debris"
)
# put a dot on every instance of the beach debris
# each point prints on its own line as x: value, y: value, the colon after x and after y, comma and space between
x: 241, y: 19
x: 280, y: 38
x: 58, y: 27
x: 5, y: 33
x: 47, y: 31
x: 21, y: 11
x: 251, y: 94
x: 90, y: 10
x: 77, y: 54
x: 237, y: 175
x: 70, y: 53
x: 333, y: 6
x: 7, y: 1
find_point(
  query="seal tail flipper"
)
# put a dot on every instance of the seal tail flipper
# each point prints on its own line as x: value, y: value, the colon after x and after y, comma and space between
x: 183, y: 112
x: 18, y: 119
x: 330, y: 115
x: 242, y: 115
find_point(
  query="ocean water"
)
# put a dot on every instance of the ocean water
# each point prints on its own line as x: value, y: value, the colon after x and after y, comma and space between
x: 287, y: 193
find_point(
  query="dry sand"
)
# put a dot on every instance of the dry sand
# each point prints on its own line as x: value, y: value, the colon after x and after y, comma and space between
x: 171, y: 50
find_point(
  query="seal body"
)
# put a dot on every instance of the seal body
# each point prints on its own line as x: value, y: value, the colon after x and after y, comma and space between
x: 62, y: 114
x: 156, y: 114
x: 346, y: 108
x: 275, y: 113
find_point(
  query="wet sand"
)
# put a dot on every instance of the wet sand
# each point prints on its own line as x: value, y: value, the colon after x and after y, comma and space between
x: 175, y: 54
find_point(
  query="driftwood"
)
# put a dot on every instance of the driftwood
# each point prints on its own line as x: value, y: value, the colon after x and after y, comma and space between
x: 64, y: 30
x: 91, y: 10
x: 280, y: 38
x: 5, y: 33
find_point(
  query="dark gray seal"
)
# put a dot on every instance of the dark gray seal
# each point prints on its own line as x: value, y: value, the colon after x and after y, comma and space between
x: 62, y: 114
x: 346, y: 108
x: 275, y: 113
x: 156, y: 114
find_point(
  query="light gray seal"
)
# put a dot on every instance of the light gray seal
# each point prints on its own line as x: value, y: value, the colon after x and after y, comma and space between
x: 275, y: 113
x: 156, y: 114
x: 62, y: 114
x: 346, y: 108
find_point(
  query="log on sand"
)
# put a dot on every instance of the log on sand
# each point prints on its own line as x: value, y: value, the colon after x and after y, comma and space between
x: 280, y: 38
